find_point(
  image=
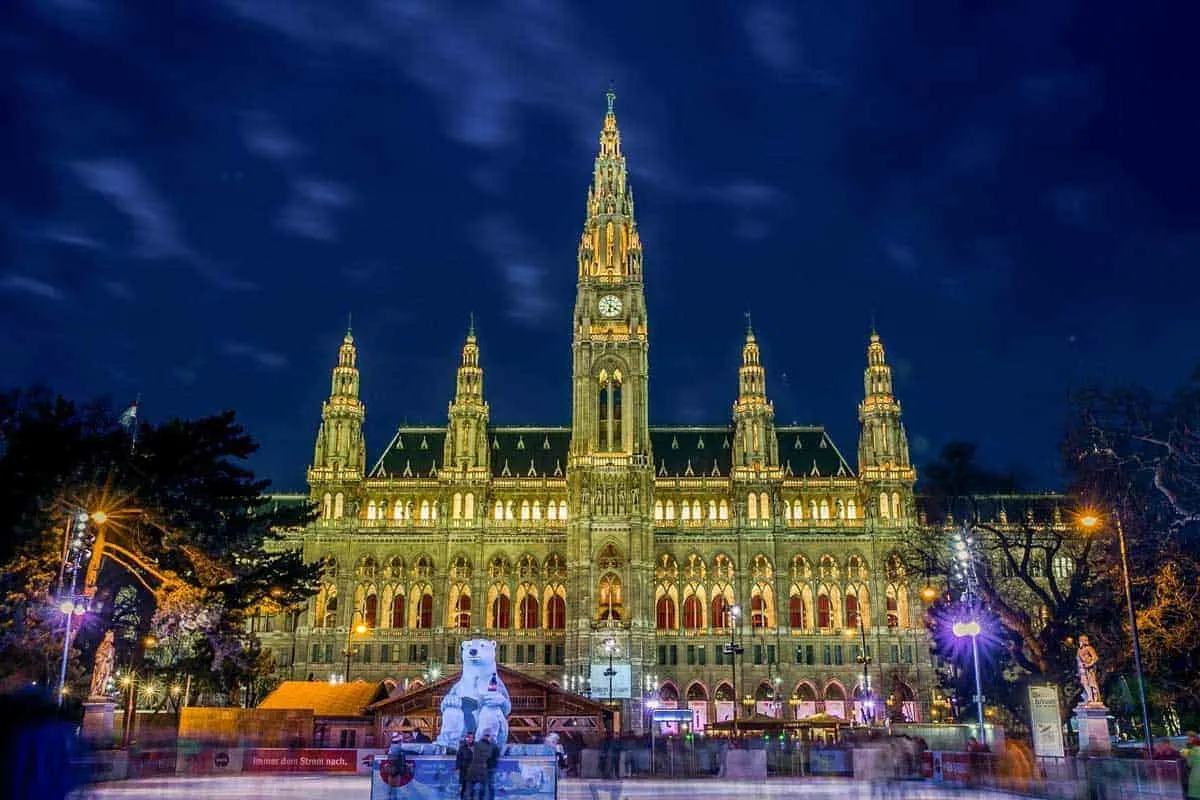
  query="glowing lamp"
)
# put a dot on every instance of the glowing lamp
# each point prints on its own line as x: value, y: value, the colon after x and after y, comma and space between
x: 360, y: 629
x: 970, y: 628
x: 99, y: 517
x: 67, y: 606
x: 1089, y: 520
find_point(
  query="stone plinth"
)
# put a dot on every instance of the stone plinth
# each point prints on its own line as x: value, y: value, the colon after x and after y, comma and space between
x: 1092, y: 721
x: 98, y: 720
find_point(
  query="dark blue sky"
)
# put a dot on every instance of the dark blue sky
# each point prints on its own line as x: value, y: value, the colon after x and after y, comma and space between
x: 194, y: 195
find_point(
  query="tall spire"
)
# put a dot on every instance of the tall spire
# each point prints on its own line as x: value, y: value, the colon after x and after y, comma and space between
x: 610, y: 246
x: 340, y: 446
x: 466, y: 440
x: 753, y: 415
x: 883, y: 442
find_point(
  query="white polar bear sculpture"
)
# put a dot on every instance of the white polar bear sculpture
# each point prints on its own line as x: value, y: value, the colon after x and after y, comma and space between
x: 478, y: 702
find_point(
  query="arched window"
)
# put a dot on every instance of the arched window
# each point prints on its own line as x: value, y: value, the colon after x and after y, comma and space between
x: 327, y: 506
x: 562, y: 509
x: 456, y: 507
x: 758, y: 611
x: 425, y: 611
x: 883, y: 505
x: 524, y: 509
x: 812, y: 510
x: 723, y: 510
x: 851, y: 510
x: 893, y: 607
x: 664, y: 612
x: 693, y: 613
x: 610, y: 411
x: 751, y: 506
x: 339, y: 505
x: 501, y: 613
x: 721, y: 618
x: 469, y: 506
x: 425, y: 513
x: 498, y: 510
x: 670, y: 509
x: 398, y: 619
x: 852, y: 621
x: 685, y: 511
x: 764, y: 506
x: 423, y: 567
x: 537, y: 509
x: 797, y: 612
x: 555, y: 567
x: 712, y: 509
x: 658, y: 510
x: 327, y: 606
x: 529, y: 612
x: 461, y: 610
x: 824, y: 509
x: 896, y: 510
x: 610, y: 602
x: 398, y: 510
x: 556, y: 612
x: 371, y: 509
x: 824, y: 611
x: 841, y: 509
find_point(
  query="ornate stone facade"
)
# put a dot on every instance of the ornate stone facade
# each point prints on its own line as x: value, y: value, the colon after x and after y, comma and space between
x: 556, y: 541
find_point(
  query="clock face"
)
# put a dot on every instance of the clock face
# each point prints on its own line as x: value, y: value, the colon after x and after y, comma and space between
x: 610, y: 305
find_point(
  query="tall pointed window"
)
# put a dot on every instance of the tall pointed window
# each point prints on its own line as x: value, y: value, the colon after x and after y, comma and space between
x: 610, y: 412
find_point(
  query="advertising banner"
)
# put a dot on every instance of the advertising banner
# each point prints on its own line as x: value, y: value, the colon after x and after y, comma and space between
x: 1045, y: 721
x: 699, y: 714
x: 622, y: 682
x: 299, y: 760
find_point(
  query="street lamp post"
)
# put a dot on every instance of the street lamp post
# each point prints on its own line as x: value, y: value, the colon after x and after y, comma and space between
x: 1089, y: 522
x: 965, y: 561
x: 360, y: 629
x: 733, y: 650
x: 610, y: 647
x: 865, y: 659
x: 75, y: 553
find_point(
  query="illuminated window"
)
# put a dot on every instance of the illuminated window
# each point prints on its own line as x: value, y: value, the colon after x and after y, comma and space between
x: 501, y: 612
x: 665, y: 613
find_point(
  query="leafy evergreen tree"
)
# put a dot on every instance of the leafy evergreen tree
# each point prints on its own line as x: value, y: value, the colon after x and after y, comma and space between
x: 189, y: 529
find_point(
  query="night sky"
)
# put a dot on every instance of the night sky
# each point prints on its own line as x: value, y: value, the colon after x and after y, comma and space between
x: 194, y: 195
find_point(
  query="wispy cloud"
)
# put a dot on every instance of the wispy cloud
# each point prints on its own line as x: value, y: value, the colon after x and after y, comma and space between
x: 23, y: 284
x: 483, y: 63
x: 155, y: 232
x: 122, y: 183
x: 311, y: 209
x: 770, y: 32
x: 754, y: 207
x: 520, y: 266
x: 255, y: 354
x: 264, y: 136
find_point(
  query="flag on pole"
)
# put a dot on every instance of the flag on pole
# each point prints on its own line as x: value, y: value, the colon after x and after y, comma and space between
x: 128, y: 421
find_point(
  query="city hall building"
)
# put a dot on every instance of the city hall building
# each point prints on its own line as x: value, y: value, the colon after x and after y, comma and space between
x: 740, y: 566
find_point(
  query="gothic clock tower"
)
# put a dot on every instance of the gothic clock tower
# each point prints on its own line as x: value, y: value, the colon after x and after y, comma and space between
x: 610, y: 473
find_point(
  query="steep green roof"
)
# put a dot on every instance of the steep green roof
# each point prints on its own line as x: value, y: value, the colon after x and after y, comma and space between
x: 679, y: 451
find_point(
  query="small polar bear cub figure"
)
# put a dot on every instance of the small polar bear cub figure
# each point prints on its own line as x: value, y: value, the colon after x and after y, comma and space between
x: 478, y: 702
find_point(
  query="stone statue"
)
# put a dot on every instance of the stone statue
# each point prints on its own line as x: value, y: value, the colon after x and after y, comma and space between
x: 102, y: 667
x: 1087, y: 660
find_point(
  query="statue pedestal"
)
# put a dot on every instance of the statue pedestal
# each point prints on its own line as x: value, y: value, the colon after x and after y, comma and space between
x: 1092, y: 721
x: 98, y: 720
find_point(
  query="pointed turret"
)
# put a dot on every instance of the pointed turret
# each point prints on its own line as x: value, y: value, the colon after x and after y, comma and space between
x: 340, y: 447
x: 610, y: 245
x: 466, y: 441
x: 755, y: 444
x: 883, y: 459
